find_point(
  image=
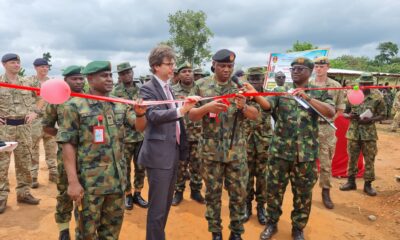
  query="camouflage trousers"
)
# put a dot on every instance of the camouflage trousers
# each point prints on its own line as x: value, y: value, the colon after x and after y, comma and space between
x: 257, y: 165
x: 302, y: 176
x: 50, y: 149
x: 194, y: 165
x: 22, y: 159
x: 396, y: 121
x: 327, y: 146
x: 101, y: 217
x: 235, y: 175
x: 64, y: 205
x: 369, y: 151
x: 131, y: 153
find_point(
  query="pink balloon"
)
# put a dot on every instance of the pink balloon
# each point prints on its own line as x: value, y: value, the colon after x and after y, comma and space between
x: 55, y: 91
x: 355, y: 97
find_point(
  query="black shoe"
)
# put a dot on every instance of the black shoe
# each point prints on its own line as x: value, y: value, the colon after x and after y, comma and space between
x: 128, y: 202
x: 196, y: 195
x: 350, y: 185
x: 28, y: 199
x: 261, y: 214
x: 3, y: 205
x: 64, y: 235
x: 138, y: 200
x: 297, y: 234
x: 35, y: 183
x: 269, y: 231
x: 248, y: 211
x: 368, y: 189
x: 178, y: 197
x: 326, y: 199
x: 235, y: 236
x: 216, y: 236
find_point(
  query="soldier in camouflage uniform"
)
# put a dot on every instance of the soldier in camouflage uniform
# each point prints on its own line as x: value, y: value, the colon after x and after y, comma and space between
x: 258, y: 137
x: 49, y: 142
x: 92, y: 135
x: 220, y: 163
x: 388, y: 97
x: 396, y: 111
x: 198, y: 74
x: 127, y: 89
x: 294, y: 148
x: 16, y: 116
x: 54, y: 115
x: 326, y: 134
x: 193, y: 131
x: 362, y: 135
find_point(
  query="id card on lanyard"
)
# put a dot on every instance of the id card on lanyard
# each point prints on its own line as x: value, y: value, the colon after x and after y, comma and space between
x: 99, y: 131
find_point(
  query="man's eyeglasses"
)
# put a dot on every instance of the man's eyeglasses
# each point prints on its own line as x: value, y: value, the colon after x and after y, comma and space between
x: 298, y: 69
x: 280, y: 77
x: 169, y: 64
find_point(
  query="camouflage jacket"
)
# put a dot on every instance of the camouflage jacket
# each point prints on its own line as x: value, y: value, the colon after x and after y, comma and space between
x: 296, y: 129
x: 15, y: 103
x: 193, y: 129
x: 132, y: 93
x: 258, y: 132
x: 375, y: 103
x: 337, y: 95
x: 396, y: 102
x: 216, y: 135
x: 101, y: 166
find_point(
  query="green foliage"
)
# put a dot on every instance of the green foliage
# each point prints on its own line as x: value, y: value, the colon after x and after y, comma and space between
x: 47, y: 56
x: 190, y: 36
x: 21, y: 72
x: 301, y: 46
x: 387, y: 51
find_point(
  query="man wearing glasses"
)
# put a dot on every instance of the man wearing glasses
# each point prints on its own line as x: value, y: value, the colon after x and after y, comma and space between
x: 280, y: 79
x: 294, y: 147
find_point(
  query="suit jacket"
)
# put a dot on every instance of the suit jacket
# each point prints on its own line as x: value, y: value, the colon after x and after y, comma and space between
x: 159, y: 145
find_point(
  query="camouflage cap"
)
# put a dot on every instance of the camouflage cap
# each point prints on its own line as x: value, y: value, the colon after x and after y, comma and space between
x: 96, y: 66
x: 303, y: 61
x: 9, y: 57
x: 256, y: 71
x: 124, y: 66
x: 321, y: 60
x: 198, y: 71
x: 72, y: 70
x: 40, y: 62
x: 183, y: 65
x: 366, y: 77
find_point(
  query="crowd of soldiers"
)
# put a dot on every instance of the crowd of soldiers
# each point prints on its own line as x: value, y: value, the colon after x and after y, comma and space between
x: 252, y: 147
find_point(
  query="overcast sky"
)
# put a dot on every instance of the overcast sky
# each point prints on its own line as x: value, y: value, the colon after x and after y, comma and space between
x: 78, y: 31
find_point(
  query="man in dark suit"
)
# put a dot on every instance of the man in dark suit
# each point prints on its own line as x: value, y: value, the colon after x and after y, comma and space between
x: 164, y: 140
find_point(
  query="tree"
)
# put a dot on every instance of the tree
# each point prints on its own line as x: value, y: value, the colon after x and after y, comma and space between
x: 190, y: 36
x: 47, y: 56
x: 21, y: 72
x: 354, y: 63
x: 388, y: 51
x: 301, y: 46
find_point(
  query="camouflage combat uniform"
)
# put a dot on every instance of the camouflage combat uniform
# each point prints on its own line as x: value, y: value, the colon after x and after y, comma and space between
x: 54, y: 114
x: 217, y: 166
x: 101, y: 167
x: 396, y: 111
x: 362, y: 137
x: 326, y: 134
x: 49, y: 142
x: 16, y: 104
x: 292, y: 154
x: 133, y: 141
x: 193, y: 131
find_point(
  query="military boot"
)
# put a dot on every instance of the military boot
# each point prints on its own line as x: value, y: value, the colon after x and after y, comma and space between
x: 178, y: 197
x: 248, y: 211
x: 269, y: 231
x: 196, y: 195
x: 35, y: 183
x: 128, y: 201
x: 326, y: 198
x: 28, y: 199
x: 64, y: 235
x: 297, y: 234
x: 3, y: 205
x: 216, y: 236
x: 235, y: 236
x: 350, y: 185
x: 261, y: 214
x: 368, y: 189
x: 138, y: 200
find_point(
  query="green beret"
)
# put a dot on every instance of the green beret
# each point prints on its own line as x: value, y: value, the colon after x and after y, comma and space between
x: 72, y: 70
x: 321, y: 60
x: 124, y: 66
x: 183, y: 65
x: 225, y: 56
x: 303, y: 61
x: 366, y: 77
x: 256, y: 71
x: 198, y: 71
x: 96, y: 66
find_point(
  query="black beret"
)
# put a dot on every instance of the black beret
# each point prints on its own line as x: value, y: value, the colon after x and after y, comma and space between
x: 239, y: 73
x: 9, y: 57
x: 225, y: 56
x: 40, y: 62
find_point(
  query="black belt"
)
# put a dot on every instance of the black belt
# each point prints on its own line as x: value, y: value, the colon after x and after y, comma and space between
x: 14, y: 122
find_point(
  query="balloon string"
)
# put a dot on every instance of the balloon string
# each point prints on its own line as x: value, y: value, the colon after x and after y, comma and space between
x: 232, y: 95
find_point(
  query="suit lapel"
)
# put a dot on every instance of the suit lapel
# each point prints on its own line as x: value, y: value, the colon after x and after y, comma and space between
x: 160, y: 90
